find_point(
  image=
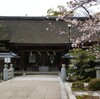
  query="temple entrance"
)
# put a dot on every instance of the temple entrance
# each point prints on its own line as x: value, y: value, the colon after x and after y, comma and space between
x: 44, y: 59
x: 46, y: 62
x: 39, y: 58
x: 38, y: 61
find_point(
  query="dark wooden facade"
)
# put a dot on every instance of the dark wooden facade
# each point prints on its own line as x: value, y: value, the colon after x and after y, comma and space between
x: 49, y: 56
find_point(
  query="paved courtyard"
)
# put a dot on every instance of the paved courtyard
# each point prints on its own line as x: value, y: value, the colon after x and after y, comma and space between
x: 31, y: 87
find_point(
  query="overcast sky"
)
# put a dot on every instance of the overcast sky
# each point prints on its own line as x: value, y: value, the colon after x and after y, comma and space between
x: 33, y: 7
x: 30, y: 7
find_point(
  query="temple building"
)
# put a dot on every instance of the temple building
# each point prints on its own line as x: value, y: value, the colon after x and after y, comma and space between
x: 36, y: 42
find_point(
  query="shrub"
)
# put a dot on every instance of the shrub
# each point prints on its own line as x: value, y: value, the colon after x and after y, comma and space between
x: 87, y: 79
x: 83, y: 97
x: 94, y: 85
x: 78, y: 85
x: 80, y: 77
x: 91, y: 73
x: 86, y: 97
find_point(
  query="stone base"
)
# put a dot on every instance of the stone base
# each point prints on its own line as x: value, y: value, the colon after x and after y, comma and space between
x: 43, y: 68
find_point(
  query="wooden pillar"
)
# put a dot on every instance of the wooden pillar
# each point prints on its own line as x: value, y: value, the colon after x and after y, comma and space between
x: 22, y: 61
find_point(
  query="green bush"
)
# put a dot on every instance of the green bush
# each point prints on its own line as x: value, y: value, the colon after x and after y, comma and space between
x: 78, y: 85
x: 91, y: 73
x: 87, y: 79
x: 86, y: 97
x: 82, y: 97
x: 94, y: 85
x: 80, y: 77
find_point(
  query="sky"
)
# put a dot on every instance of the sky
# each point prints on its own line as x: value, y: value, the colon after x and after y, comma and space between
x: 28, y: 7
x: 34, y: 7
x: 93, y: 10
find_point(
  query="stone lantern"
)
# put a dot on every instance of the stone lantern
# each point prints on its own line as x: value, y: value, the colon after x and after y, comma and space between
x: 63, y: 73
x: 97, y: 68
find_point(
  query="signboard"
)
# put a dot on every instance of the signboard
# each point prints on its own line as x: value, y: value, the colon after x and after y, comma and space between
x: 32, y: 58
x: 7, y: 60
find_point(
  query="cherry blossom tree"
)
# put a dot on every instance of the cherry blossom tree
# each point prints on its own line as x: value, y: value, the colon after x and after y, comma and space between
x: 90, y: 27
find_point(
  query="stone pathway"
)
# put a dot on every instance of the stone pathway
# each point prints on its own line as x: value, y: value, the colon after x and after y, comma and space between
x: 31, y: 87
